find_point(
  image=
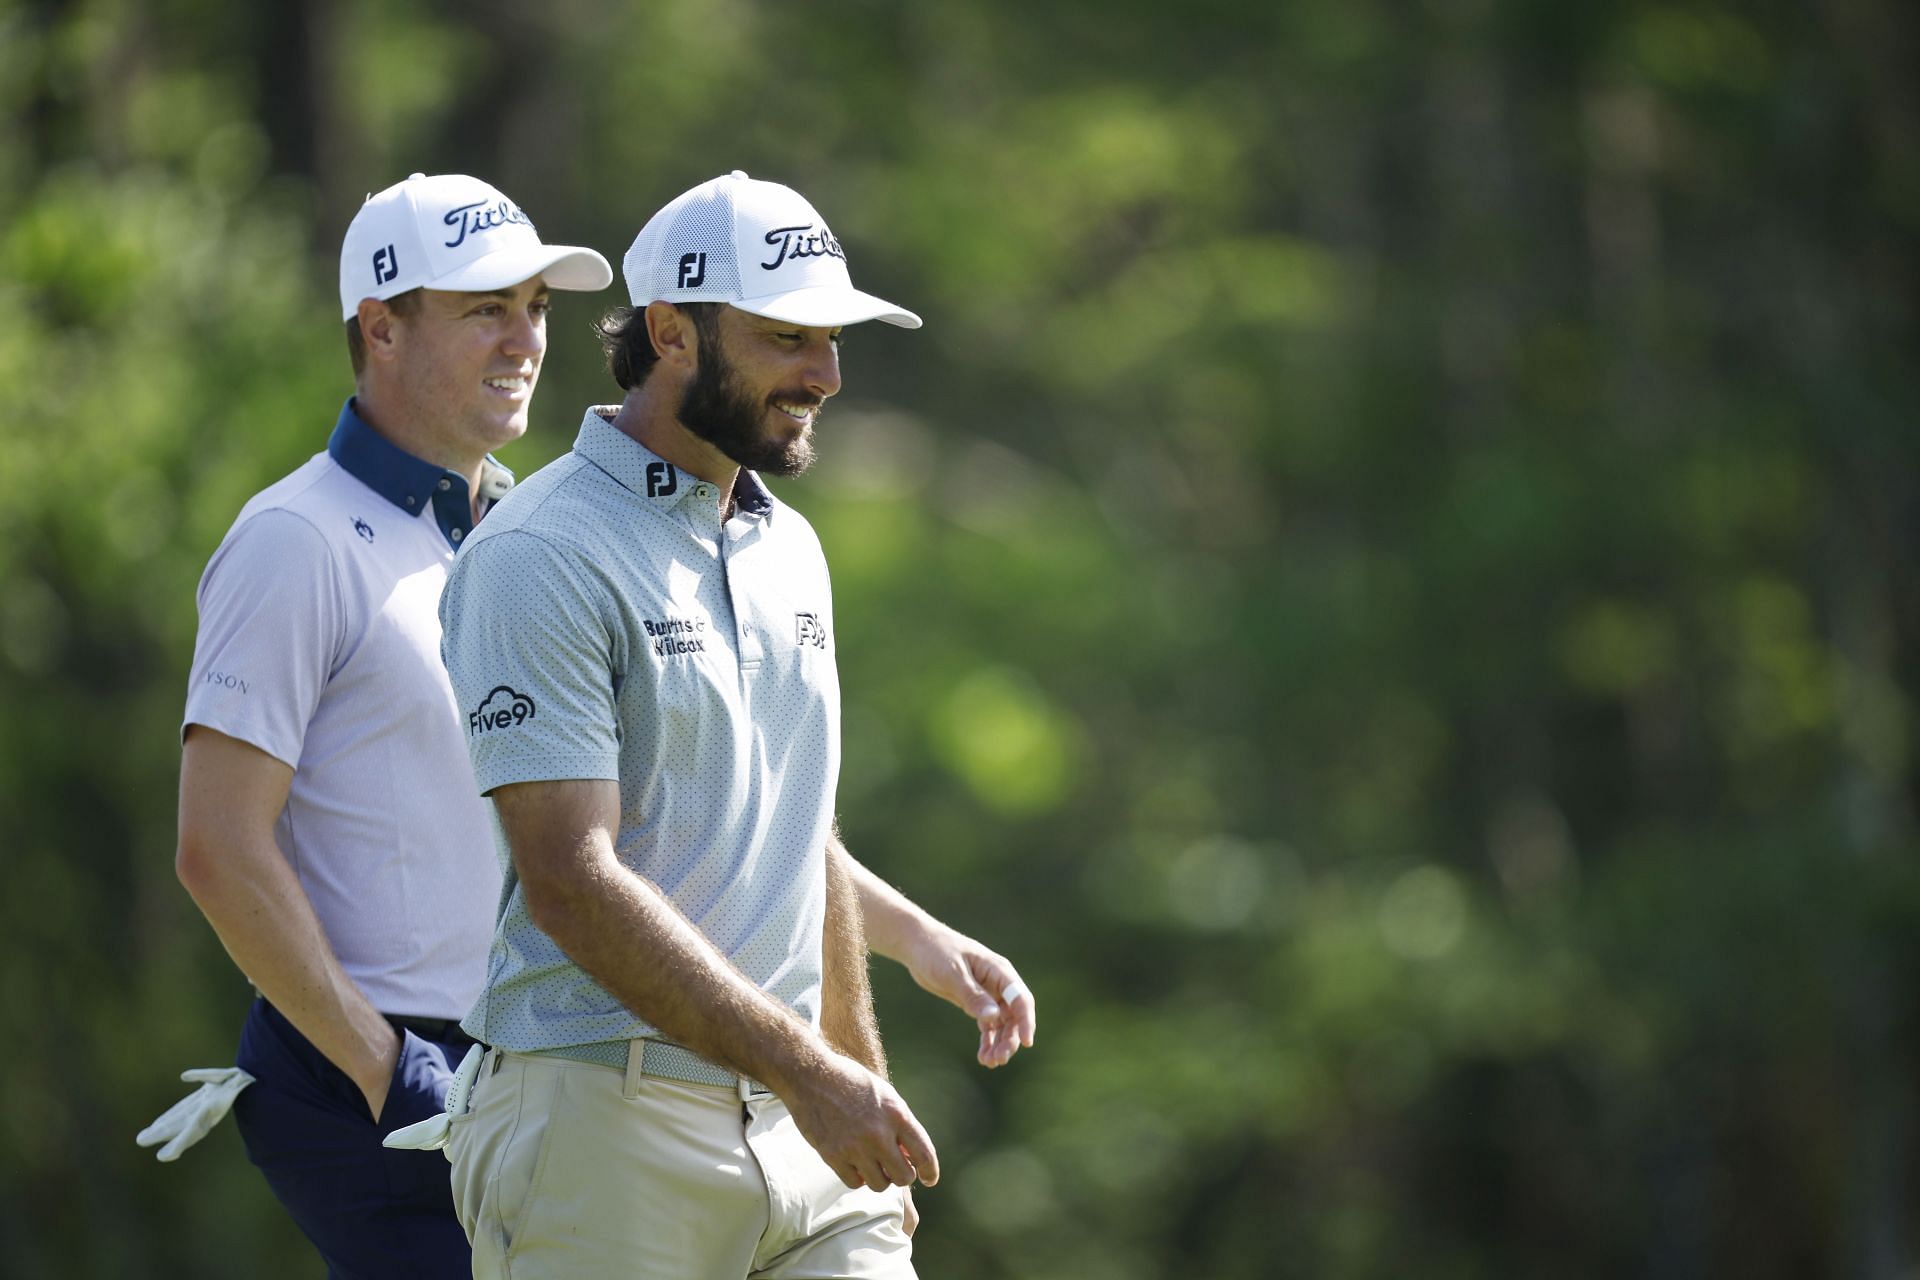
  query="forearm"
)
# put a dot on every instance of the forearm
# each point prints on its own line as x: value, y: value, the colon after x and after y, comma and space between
x: 944, y: 961
x: 231, y: 794
x: 895, y: 926
x: 846, y: 998
x: 265, y: 921
x: 627, y: 936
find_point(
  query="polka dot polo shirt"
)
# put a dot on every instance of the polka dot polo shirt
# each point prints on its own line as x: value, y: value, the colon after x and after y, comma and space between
x: 602, y: 623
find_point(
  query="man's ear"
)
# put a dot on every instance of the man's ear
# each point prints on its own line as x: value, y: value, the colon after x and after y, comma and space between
x: 675, y: 338
x: 379, y: 329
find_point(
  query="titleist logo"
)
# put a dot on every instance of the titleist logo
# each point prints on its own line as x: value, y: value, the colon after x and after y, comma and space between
x: 804, y: 241
x: 480, y: 216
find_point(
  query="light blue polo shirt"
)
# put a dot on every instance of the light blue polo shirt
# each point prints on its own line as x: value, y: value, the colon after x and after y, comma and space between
x: 604, y: 624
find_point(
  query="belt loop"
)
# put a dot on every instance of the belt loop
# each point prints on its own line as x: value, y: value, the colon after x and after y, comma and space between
x: 636, y: 1068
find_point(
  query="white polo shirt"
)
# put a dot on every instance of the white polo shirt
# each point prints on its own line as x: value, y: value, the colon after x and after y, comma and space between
x: 604, y: 624
x: 319, y: 643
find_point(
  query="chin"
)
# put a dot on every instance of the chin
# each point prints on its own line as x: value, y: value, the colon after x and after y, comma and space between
x: 511, y: 428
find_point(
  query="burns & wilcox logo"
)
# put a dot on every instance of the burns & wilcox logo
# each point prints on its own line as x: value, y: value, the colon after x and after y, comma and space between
x: 673, y: 637
x: 502, y: 709
x: 483, y: 216
x: 808, y: 240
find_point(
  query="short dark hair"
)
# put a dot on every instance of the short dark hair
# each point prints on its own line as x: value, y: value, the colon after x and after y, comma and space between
x: 401, y: 304
x: 630, y: 354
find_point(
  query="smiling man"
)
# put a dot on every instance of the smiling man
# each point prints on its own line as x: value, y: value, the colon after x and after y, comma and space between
x: 328, y: 826
x: 661, y: 1100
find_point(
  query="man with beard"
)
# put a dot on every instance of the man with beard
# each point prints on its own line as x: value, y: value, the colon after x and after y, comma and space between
x: 329, y: 828
x: 642, y: 636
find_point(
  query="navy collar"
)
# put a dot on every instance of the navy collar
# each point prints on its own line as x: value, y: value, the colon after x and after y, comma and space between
x: 750, y: 495
x: 409, y: 483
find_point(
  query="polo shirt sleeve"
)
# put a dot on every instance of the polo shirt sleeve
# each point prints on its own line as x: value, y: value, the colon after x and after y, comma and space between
x: 272, y: 618
x: 526, y: 642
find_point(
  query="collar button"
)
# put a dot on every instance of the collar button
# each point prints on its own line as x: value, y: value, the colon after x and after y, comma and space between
x: 445, y: 484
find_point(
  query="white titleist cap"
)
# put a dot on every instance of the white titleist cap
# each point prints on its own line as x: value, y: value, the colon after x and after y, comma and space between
x: 455, y: 233
x: 757, y: 245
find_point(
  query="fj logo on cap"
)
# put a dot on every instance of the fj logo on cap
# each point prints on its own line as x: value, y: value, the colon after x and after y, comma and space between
x: 693, y: 270
x: 386, y: 265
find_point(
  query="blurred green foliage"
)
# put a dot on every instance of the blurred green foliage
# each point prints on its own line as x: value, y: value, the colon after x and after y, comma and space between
x: 1385, y: 585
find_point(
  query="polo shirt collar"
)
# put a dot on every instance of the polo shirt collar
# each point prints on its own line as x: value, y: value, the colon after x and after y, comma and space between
x: 650, y: 476
x: 409, y: 483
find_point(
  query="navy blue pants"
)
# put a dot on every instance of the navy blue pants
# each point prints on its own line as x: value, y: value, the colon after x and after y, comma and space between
x: 370, y: 1212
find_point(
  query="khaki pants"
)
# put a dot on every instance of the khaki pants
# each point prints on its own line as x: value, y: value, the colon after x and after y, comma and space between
x: 567, y: 1169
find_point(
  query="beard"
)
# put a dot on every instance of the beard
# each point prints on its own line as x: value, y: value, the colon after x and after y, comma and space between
x: 720, y: 411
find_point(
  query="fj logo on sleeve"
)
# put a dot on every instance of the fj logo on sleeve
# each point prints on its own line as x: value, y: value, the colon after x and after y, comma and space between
x: 502, y: 709
x: 807, y: 630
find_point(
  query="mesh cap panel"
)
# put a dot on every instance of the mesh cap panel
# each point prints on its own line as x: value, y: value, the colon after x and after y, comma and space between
x: 689, y: 255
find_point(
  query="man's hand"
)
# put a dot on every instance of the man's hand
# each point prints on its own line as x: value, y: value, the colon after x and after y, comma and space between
x: 982, y: 983
x: 193, y: 1117
x: 231, y: 796
x: 861, y: 1127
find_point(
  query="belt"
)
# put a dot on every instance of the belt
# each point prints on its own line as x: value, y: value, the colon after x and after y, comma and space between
x: 659, y: 1058
x: 432, y: 1028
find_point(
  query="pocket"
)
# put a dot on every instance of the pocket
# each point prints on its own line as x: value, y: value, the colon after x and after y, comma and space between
x: 498, y: 1152
x: 273, y: 1050
x: 417, y: 1090
x: 531, y: 1154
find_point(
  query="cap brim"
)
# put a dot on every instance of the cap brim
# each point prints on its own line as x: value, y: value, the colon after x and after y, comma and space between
x: 561, y: 266
x: 828, y: 307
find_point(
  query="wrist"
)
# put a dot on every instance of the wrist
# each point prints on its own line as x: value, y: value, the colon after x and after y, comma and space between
x: 382, y: 1054
x: 799, y: 1066
x: 928, y: 950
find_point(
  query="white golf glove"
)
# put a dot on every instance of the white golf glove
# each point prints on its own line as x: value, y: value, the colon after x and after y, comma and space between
x: 431, y: 1134
x: 193, y: 1117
